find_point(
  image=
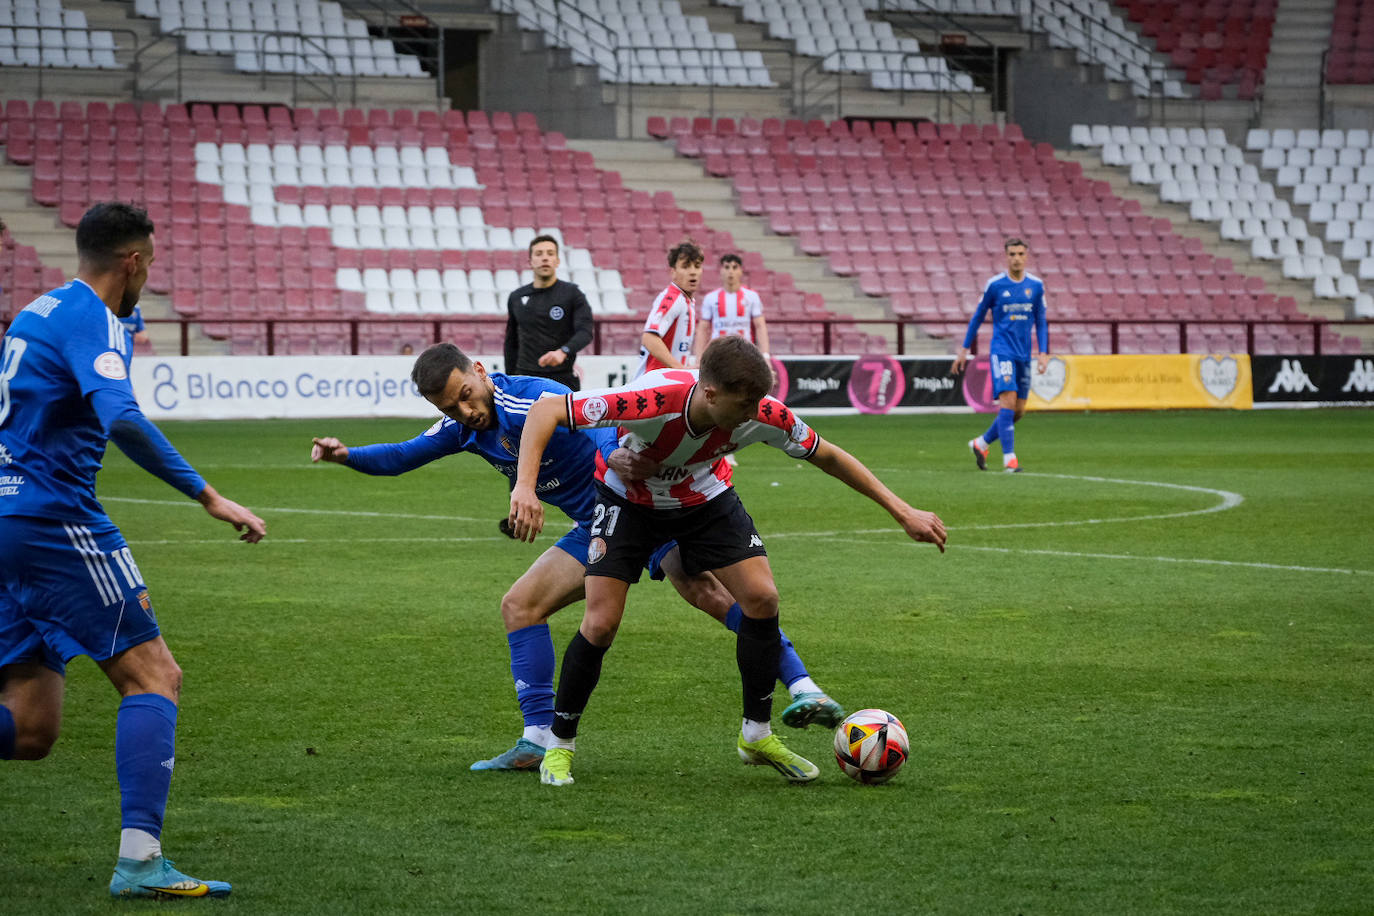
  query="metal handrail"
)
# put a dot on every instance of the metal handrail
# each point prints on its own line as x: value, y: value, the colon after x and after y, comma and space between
x: 397, y: 9
x: 38, y: 45
x: 939, y: 17
x: 1155, y: 72
x: 563, y: 26
x: 310, y: 46
x: 435, y: 325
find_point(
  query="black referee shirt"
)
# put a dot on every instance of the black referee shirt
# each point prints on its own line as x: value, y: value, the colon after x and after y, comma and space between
x: 540, y: 320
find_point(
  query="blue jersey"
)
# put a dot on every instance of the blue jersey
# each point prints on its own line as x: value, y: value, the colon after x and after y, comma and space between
x: 64, y: 392
x: 1015, y: 305
x: 567, y: 474
x: 134, y: 323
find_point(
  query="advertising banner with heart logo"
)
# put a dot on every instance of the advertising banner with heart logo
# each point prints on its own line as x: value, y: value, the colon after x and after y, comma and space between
x: 1158, y: 382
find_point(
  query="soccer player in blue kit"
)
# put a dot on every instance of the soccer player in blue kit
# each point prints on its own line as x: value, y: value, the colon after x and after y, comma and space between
x: 485, y: 415
x: 68, y: 583
x: 1016, y: 300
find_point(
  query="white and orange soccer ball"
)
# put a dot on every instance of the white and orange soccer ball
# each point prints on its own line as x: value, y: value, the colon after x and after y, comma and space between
x: 870, y: 746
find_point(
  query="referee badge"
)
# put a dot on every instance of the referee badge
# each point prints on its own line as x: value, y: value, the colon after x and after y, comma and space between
x: 556, y: 312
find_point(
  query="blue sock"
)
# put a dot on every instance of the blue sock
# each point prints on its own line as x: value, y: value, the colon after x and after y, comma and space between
x: 1006, y: 418
x: 790, y: 665
x: 531, y: 665
x: 145, y: 751
x: 991, y: 435
x: 7, y: 734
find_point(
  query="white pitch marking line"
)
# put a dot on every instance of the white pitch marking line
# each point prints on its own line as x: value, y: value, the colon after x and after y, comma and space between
x: 1229, y: 500
x: 1199, y: 560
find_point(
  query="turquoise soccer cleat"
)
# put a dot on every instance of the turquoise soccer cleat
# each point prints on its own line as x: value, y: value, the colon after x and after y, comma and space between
x: 157, y: 878
x: 526, y: 755
x: 556, y: 769
x: 771, y: 752
x: 812, y: 707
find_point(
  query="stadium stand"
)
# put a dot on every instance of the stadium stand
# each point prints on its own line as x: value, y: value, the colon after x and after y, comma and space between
x: 22, y: 276
x: 1200, y: 169
x: 1351, y: 60
x: 1216, y: 43
x: 41, y: 33
x: 305, y: 214
x: 846, y: 41
x: 281, y: 36
x: 919, y: 213
x: 642, y: 41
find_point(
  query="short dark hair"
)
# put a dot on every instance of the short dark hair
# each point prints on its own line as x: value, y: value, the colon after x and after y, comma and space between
x: 107, y: 230
x: 543, y: 238
x: 1013, y: 242
x: 731, y: 258
x: 734, y: 365
x: 685, y: 249
x: 435, y: 366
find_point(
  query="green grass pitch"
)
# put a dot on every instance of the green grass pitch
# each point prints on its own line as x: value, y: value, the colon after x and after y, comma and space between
x: 1140, y: 681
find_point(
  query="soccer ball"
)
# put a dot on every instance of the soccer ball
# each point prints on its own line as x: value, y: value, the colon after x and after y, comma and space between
x: 870, y: 746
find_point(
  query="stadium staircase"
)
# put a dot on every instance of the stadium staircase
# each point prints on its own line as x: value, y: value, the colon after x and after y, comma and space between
x: 1292, y: 84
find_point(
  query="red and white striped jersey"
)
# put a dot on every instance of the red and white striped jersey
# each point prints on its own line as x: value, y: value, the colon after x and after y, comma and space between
x: 674, y: 318
x: 732, y: 313
x: 651, y: 413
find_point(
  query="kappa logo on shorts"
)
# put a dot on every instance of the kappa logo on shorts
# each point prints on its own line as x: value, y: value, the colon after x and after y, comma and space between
x: 110, y: 365
x: 595, y: 550
x: 594, y: 409
x: 755, y: 541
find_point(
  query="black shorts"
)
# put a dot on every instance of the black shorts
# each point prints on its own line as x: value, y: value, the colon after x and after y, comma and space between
x: 714, y: 535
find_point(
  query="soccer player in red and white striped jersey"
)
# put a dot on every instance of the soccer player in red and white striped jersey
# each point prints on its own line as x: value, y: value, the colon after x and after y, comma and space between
x: 686, y: 422
x: 732, y: 309
x: 668, y: 331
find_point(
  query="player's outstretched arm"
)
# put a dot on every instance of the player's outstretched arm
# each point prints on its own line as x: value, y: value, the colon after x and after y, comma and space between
x: 526, y: 512
x: 328, y: 449
x: 226, y: 510
x: 918, y: 524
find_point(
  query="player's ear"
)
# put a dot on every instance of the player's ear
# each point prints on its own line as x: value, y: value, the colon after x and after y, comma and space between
x: 480, y: 369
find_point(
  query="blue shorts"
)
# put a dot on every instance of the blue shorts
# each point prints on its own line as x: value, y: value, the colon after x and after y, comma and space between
x: 1009, y: 375
x: 576, y: 541
x: 69, y: 589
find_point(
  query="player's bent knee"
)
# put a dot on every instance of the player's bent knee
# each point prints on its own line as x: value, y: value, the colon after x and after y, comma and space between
x: 34, y: 740
x: 760, y: 605
x: 518, y: 613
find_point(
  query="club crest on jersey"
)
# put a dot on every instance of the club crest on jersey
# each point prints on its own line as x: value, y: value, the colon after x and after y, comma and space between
x: 512, y: 448
x: 556, y: 312
x: 799, y: 431
x: 595, y: 550
x: 109, y: 365
x: 594, y: 409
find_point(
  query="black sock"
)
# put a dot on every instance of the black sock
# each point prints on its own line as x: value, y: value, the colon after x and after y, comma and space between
x: 576, y: 681
x: 756, y: 651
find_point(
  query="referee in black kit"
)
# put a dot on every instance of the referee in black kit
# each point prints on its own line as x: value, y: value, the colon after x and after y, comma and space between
x: 549, y: 321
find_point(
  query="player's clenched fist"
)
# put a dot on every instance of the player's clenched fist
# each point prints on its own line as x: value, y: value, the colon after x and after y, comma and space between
x: 328, y: 449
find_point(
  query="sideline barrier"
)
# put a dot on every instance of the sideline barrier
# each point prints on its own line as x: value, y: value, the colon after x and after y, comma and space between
x: 271, y: 387
x: 1313, y: 381
x: 1156, y: 382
